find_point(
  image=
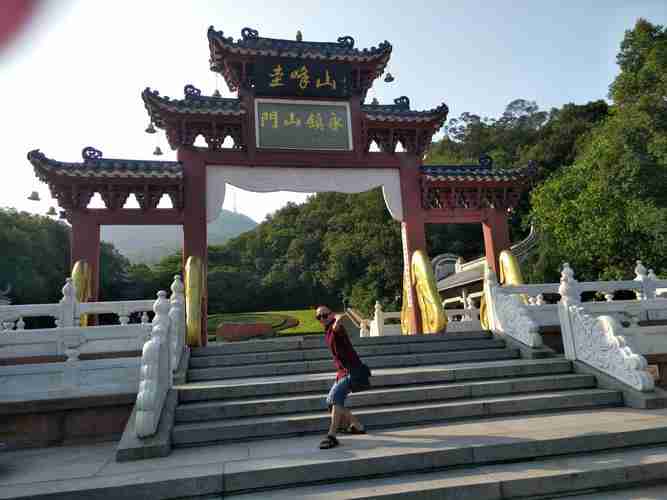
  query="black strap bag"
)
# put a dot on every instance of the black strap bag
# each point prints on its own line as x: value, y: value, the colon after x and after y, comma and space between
x: 360, y: 378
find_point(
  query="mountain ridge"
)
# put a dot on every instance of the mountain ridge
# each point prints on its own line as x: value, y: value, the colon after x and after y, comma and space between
x: 149, y: 244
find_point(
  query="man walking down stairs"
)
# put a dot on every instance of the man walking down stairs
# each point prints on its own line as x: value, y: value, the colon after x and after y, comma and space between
x: 459, y: 415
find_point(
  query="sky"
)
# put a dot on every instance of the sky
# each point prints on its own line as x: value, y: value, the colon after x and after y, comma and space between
x: 74, y: 76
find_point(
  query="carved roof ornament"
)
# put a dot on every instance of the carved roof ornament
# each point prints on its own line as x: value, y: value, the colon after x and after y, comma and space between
x: 299, y: 36
x: 249, y: 34
x: 90, y: 153
x: 191, y: 91
x: 403, y: 102
x: 485, y: 161
x: 346, y: 41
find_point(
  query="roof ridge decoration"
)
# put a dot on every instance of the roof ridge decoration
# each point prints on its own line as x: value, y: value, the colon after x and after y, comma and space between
x: 400, y: 112
x: 90, y: 153
x: 95, y: 166
x: 251, y: 39
x: 234, y: 59
x: 484, y: 171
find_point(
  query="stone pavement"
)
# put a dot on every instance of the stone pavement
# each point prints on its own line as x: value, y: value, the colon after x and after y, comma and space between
x: 90, y: 471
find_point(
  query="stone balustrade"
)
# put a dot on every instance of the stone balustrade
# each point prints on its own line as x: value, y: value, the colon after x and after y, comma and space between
x: 76, y: 377
x: 627, y: 312
x: 598, y: 340
x: 466, y: 319
x: 69, y: 311
x: 16, y: 341
x: 603, y: 334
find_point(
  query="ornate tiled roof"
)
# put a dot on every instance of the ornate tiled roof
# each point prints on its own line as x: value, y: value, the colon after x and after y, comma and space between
x: 193, y: 103
x: 484, y: 172
x: 400, y: 112
x: 251, y: 45
x: 94, y: 166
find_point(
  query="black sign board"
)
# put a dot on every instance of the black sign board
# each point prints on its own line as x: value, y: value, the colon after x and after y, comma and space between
x: 283, y: 77
x: 303, y: 124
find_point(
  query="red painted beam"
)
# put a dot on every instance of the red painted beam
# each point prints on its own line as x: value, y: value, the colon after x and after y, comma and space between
x: 131, y: 217
x: 310, y: 159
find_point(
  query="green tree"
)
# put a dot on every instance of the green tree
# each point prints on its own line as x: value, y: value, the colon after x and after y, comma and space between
x: 609, y: 207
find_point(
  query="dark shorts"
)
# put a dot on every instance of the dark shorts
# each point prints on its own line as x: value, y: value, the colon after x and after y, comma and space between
x: 339, y: 392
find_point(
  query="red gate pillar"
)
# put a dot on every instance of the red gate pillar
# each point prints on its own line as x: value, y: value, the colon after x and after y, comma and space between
x: 413, y: 234
x: 194, y: 222
x: 85, y: 245
x: 496, y: 236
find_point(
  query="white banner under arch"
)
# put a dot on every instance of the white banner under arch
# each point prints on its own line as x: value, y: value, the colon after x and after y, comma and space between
x: 302, y: 180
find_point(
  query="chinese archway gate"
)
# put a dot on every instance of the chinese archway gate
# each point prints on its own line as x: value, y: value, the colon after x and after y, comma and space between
x: 300, y: 123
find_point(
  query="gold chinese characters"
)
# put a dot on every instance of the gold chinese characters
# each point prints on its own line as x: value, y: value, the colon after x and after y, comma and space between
x: 309, y: 120
x: 302, y: 77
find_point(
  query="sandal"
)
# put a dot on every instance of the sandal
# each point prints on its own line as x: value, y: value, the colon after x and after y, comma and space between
x: 353, y: 430
x: 329, y: 442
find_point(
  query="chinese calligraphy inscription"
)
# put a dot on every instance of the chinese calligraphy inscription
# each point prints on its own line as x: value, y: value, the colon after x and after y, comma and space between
x: 282, y: 77
x: 303, y: 125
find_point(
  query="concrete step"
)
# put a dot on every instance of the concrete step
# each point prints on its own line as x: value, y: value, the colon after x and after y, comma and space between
x: 317, y: 342
x: 605, y: 472
x: 315, y: 402
x: 534, y: 448
x: 394, y: 415
x: 382, y: 377
x: 260, y: 370
x: 362, y: 350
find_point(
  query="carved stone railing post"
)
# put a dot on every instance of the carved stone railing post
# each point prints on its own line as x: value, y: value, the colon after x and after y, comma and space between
x: 641, y: 274
x: 177, y: 320
x: 364, y: 331
x: 508, y: 314
x: 67, y: 305
x: 470, y: 310
x: 155, y: 378
x: 379, y: 319
x: 569, y: 295
x: 651, y: 285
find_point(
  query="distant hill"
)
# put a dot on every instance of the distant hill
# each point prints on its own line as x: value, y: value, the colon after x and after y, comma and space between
x: 148, y: 244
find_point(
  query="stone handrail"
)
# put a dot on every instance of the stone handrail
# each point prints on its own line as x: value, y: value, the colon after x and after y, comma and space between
x: 520, y: 250
x: 160, y: 357
x: 644, y: 285
x: 597, y: 340
x: 508, y: 314
x: 76, y: 377
x: 56, y: 341
x: 122, y: 309
x: 458, y: 320
x: 377, y: 327
x: 69, y: 310
x: 626, y: 311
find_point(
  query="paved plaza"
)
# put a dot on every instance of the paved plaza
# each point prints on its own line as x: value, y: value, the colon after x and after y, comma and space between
x: 90, y: 471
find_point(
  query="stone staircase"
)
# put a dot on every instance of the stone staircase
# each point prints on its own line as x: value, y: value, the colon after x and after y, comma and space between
x: 274, y: 389
x: 459, y: 416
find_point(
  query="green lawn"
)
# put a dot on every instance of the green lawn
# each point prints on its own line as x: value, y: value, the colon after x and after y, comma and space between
x: 280, y: 321
x: 307, y: 323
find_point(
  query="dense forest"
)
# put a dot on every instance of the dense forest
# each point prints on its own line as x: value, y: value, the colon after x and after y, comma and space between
x: 599, y: 202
